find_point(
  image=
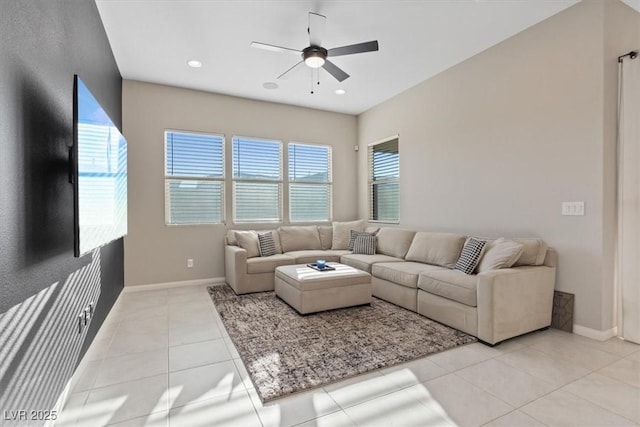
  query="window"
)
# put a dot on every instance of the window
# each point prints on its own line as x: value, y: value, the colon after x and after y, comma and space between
x: 194, y: 178
x: 257, y: 180
x: 384, y: 180
x: 309, y: 182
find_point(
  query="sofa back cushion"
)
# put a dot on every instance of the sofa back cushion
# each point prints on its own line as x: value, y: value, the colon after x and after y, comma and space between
x: 298, y: 238
x: 441, y: 249
x: 231, y: 238
x: 501, y: 253
x: 394, y: 242
x: 248, y: 240
x: 326, y: 236
x: 233, y: 241
x: 342, y: 233
x: 533, y: 251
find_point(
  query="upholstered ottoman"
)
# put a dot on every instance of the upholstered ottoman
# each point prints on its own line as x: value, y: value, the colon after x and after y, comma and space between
x: 308, y: 290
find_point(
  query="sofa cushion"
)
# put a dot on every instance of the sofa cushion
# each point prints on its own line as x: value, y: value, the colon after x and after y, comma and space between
x: 230, y: 238
x: 248, y: 240
x: 364, y: 262
x: 470, y: 256
x: 450, y: 284
x: 394, y: 242
x: 266, y: 244
x: 372, y: 230
x: 441, y: 249
x: 402, y: 273
x: 268, y: 264
x: 326, y: 236
x: 341, y: 232
x: 533, y: 251
x: 500, y: 254
x: 232, y: 241
x: 298, y: 238
x: 309, y: 256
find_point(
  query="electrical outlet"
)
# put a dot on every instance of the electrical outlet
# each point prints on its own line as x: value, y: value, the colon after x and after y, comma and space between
x: 573, y: 208
x: 85, y: 316
x: 189, y: 263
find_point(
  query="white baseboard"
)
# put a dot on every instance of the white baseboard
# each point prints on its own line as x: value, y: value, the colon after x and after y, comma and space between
x: 594, y: 334
x: 179, y: 284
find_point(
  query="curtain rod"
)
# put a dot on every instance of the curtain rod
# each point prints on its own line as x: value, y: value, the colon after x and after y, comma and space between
x: 633, y: 55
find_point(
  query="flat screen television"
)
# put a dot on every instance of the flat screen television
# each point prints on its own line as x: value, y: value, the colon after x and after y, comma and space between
x: 99, y: 174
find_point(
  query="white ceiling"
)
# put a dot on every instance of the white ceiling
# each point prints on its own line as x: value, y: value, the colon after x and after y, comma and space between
x: 153, y: 39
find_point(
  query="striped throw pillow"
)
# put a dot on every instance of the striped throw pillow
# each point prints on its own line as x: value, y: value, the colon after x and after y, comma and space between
x: 470, y: 255
x: 353, y: 235
x: 266, y: 245
x: 365, y: 244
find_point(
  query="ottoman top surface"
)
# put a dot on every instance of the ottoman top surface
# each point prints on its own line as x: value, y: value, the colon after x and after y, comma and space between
x: 303, y: 276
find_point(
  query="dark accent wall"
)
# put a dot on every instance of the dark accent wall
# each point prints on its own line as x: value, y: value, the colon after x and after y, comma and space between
x: 43, y: 288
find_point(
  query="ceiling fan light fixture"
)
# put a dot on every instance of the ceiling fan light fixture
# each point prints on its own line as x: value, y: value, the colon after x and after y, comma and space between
x: 314, y: 61
x: 314, y: 56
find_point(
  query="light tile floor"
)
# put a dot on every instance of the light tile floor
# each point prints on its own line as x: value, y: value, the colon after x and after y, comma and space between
x: 163, y: 357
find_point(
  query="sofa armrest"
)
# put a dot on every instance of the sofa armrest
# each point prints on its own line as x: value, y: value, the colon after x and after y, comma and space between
x: 235, y: 266
x: 514, y: 301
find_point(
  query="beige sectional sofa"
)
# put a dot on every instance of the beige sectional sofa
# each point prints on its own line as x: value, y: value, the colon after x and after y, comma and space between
x: 414, y: 270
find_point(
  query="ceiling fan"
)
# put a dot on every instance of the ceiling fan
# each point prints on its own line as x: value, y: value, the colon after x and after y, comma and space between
x: 314, y: 55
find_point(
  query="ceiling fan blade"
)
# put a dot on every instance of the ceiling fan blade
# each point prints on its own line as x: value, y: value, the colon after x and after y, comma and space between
x: 282, y: 76
x: 274, y: 48
x: 316, y: 28
x: 371, y: 46
x: 335, y: 71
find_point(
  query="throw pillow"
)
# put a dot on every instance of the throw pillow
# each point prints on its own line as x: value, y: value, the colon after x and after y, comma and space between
x: 248, y: 240
x: 470, y: 255
x: 364, y: 244
x: 353, y: 235
x: 501, y: 254
x: 267, y: 244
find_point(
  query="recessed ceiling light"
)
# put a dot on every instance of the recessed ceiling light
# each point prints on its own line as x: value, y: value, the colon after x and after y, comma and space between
x: 194, y: 63
x: 270, y: 85
x: 340, y: 91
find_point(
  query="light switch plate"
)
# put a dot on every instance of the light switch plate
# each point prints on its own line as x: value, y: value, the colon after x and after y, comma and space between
x: 572, y: 208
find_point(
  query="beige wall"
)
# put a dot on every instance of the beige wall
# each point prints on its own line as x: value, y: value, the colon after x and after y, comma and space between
x: 156, y: 253
x: 492, y: 146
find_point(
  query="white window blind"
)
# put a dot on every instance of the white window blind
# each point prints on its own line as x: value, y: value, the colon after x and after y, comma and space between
x: 384, y: 181
x: 257, y: 180
x: 309, y: 182
x: 194, y: 178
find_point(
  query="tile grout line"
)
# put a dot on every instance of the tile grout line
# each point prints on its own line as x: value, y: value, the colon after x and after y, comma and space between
x: 338, y: 408
x: 599, y: 406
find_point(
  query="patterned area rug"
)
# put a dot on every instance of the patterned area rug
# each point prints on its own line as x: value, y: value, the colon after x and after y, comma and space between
x: 285, y: 352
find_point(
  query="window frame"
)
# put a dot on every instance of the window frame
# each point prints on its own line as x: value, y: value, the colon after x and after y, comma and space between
x: 371, y: 183
x: 280, y: 183
x: 329, y: 183
x: 223, y: 180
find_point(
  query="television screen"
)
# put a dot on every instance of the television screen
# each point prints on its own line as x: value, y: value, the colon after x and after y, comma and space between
x: 100, y: 174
